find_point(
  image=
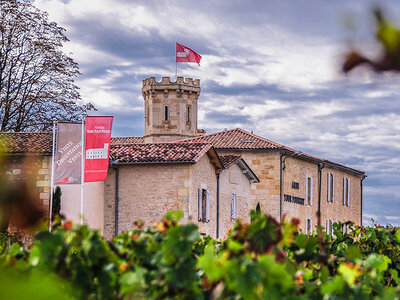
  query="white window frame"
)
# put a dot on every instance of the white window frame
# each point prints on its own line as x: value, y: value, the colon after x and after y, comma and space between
x: 234, y: 206
x: 207, y: 205
x: 309, y: 192
x: 329, y: 227
x: 346, y: 191
x: 331, y: 187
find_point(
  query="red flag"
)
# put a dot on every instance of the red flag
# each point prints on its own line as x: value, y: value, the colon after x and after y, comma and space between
x: 97, y: 147
x: 185, y: 54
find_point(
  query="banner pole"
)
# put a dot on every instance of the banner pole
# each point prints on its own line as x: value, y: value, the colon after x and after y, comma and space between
x: 53, y: 155
x: 176, y: 63
x: 82, y: 165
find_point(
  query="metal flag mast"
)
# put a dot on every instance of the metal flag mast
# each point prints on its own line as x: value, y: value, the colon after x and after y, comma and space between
x: 176, y: 63
x: 83, y: 165
x: 53, y: 156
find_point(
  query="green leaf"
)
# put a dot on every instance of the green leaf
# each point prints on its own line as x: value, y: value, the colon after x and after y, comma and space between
x: 353, y: 253
x: 133, y: 280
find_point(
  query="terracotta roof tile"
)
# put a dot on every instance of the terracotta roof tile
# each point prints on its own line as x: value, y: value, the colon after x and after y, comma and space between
x: 127, y: 140
x: 239, y: 139
x: 159, y: 152
x: 228, y: 160
x: 26, y: 142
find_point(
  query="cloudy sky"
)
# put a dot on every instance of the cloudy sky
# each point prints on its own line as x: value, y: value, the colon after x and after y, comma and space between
x: 268, y: 66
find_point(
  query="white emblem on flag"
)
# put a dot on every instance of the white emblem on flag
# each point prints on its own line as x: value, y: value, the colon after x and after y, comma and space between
x: 97, y: 153
x: 183, y: 54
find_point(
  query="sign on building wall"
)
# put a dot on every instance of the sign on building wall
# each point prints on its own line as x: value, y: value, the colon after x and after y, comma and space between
x: 67, y: 163
x: 97, y: 147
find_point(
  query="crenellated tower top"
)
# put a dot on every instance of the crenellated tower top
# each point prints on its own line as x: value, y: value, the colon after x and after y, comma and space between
x: 170, y: 109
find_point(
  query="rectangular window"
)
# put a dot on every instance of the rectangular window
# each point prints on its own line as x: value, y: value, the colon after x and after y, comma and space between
x: 234, y: 207
x: 331, y: 187
x: 346, y: 191
x: 188, y: 115
x: 148, y: 115
x: 309, y: 190
x: 166, y: 113
x: 329, y: 227
x: 204, y: 205
x: 309, y: 227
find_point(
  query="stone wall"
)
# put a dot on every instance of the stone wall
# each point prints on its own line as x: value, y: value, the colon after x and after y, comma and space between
x: 36, y: 170
x: 297, y: 170
x: 181, y: 99
x: 266, y: 165
x: 233, y: 181
x: 147, y: 192
x: 203, y: 176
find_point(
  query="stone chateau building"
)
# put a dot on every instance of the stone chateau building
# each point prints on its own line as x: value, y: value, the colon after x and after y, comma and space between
x: 214, y: 179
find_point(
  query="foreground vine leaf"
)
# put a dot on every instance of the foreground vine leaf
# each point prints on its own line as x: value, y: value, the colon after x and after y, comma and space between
x: 388, y: 36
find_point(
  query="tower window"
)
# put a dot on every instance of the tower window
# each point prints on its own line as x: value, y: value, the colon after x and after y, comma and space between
x: 188, y: 115
x: 148, y: 115
x: 166, y: 113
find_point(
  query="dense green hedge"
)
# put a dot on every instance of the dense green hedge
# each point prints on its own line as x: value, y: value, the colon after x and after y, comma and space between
x: 260, y: 260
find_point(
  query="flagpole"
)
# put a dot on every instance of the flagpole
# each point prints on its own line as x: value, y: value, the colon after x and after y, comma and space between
x: 176, y: 63
x: 83, y: 165
x: 53, y: 155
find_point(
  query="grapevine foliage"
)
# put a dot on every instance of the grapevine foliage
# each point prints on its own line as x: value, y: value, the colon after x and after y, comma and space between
x: 260, y: 260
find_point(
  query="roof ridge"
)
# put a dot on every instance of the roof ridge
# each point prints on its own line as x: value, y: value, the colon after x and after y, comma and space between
x: 163, y: 143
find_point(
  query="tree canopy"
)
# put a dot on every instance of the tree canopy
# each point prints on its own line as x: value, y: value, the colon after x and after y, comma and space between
x: 36, y: 77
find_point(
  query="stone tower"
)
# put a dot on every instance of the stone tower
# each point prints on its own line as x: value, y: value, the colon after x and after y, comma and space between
x: 170, y: 109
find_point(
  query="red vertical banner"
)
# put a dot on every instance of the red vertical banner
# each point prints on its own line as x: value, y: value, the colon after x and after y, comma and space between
x: 97, y: 147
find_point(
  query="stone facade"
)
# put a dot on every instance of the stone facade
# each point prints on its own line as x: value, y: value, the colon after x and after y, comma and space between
x: 170, y: 109
x: 232, y: 181
x: 148, y: 191
x: 36, y: 170
x: 266, y: 165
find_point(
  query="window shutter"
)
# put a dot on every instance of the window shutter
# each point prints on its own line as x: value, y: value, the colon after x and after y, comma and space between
x: 208, y: 206
x: 329, y: 187
x: 311, y: 227
x: 307, y: 190
x: 348, y: 192
x: 200, y: 205
x: 332, y: 228
x: 234, y: 206
x: 311, y: 192
x: 333, y: 187
x: 327, y: 227
x: 344, y: 190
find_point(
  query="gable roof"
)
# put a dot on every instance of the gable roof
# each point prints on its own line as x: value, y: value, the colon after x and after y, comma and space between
x: 229, y: 160
x: 172, y: 152
x: 26, y: 142
x: 239, y: 139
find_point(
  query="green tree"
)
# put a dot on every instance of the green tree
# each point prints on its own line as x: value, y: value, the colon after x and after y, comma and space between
x: 56, y: 209
x: 36, y: 77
